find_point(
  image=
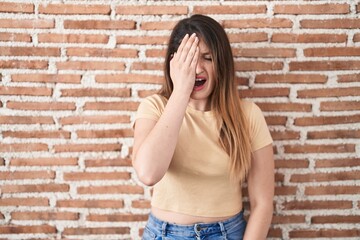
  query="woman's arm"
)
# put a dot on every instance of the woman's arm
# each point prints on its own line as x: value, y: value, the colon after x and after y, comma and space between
x: 261, y: 192
x: 155, y: 142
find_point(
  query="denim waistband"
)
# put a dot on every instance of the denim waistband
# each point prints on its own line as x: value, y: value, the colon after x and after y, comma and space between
x: 198, y: 228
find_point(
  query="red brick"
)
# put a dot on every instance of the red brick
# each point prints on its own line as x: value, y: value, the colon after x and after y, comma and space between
x: 285, y: 135
x: 124, y: 106
x: 96, y: 176
x: 155, y: 53
x: 312, y: 148
x: 285, y: 107
x: 276, y: 120
x: 78, y: 203
x: 290, y: 78
x: 15, y: 37
x: 35, y: 188
x: 98, y: 230
x: 94, y: 119
x: 349, y: 78
x: 265, y: 92
x: 286, y: 190
x: 334, y: 134
x: 20, y: 64
x: 290, y: 163
x: 72, y: 38
x: 41, y: 106
x: 230, y: 9
x: 37, y: 134
x: 324, y: 65
x: 144, y: 204
x: 26, y: 120
x: 275, y: 233
x: 336, y: 219
x: 327, y: 233
x: 142, y: 40
x: 165, y: 25
x: 86, y: 147
x: 69, y: 9
x: 329, y: 92
x: 27, y: 23
x: 43, y: 162
x: 147, y: 66
x: 47, y: 78
x: 332, y: 52
x: 312, y: 9
x: 315, y: 205
x: 120, y: 217
x: 264, y: 52
x: 356, y: 37
x: 10, y: 7
x: 313, y: 121
x: 288, y: 219
x: 331, y: 24
x: 96, y: 92
x: 340, y: 106
x: 14, y: 175
x: 99, y: 24
x: 129, y: 78
x: 258, y: 23
x: 28, y: 201
x: 23, y: 147
x: 47, y: 216
x: 110, y: 133
x: 108, y: 162
x: 151, y: 10
x: 114, y: 189
x: 13, y: 229
x: 258, y: 66
x: 308, y: 38
x: 29, y: 91
x: 332, y: 190
x: 99, y: 52
x: 90, y: 65
x: 334, y: 163
x: 247, y: 37
x: 146, y: 93
x: 325, y: 177
x: 29, y: 51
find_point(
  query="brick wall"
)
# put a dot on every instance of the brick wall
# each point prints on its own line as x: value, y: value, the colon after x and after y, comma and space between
x: 73, y: 74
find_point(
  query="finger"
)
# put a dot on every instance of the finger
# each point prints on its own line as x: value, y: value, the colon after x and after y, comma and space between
x: 182, y: 44
x: 186, y: 48
x: 195, y: 59
x: 192, y: 51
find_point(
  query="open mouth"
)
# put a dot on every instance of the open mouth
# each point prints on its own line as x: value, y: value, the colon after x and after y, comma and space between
x: 199, y: 81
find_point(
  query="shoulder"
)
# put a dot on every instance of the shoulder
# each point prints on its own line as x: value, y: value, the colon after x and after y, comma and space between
x: 155, y: 100
x: 249, y: 107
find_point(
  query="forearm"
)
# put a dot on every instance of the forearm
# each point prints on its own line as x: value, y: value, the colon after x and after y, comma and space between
x: 153, y: 157
x: 259, y: 222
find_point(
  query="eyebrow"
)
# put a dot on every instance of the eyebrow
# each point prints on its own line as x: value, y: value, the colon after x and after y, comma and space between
x: 206, y: 53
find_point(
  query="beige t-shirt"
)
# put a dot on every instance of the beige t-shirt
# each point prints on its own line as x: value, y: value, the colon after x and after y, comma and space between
x: 197, y: 181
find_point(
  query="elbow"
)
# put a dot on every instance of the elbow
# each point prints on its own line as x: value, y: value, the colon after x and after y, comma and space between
x: 144, y: 174
x: 146, y: 178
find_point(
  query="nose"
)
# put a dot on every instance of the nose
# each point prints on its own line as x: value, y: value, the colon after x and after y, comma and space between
x: 199, y: 68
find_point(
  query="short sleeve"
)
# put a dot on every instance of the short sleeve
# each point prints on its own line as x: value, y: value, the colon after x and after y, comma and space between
x: 259, y: 131
x: 151, y: 108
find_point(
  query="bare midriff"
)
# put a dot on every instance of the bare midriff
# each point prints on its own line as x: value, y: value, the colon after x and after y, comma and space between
x: 184, y: 219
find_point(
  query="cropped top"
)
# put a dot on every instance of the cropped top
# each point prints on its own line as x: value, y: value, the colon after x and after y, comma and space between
x: 197, y: 181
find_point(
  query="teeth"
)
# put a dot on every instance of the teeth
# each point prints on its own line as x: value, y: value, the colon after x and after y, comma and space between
x: 199, y: 79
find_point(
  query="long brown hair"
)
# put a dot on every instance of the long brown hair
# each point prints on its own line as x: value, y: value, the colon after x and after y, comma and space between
x: 225, y: 100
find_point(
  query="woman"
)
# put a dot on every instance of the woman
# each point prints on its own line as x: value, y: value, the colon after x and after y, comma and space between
x: 196, y: 142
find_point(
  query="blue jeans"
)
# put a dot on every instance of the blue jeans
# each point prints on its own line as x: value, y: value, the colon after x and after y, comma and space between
x: 230, y: 229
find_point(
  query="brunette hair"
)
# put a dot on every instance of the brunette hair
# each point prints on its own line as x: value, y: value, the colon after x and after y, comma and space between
x: 225, y: 100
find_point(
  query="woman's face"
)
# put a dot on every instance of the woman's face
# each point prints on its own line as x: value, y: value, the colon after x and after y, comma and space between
x: 205, y: 79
